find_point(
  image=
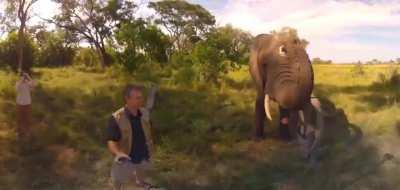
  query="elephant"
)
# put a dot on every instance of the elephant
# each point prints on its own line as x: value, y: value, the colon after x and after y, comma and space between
x: 282, y: 72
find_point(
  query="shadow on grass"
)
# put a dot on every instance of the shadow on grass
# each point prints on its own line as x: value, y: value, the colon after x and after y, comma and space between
x: 375, y: 96
x: 199, y: 155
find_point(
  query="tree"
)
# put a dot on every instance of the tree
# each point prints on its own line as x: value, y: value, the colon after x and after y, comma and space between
x: 318, y: 60
x: 56, y: 48
x: 374, y: 61
x: 9, y: 52
x: 398, y: 60
x: 236, y: 43
x: 186, y: 23
x: 94, y: 21
x: 224, y: 49
x: 141, y: 42
x: 2, y: 24
x: 20, y: 10
x: 86, y: 57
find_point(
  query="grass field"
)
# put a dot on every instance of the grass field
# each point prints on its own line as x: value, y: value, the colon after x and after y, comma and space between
x: 202, y: 133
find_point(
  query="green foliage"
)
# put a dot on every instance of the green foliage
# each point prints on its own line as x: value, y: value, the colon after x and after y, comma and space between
x: 196, y: 127
x: 225, y: 49
x: 391, y: 77
x: 234, y: 43
x: 131, y: 59
x: 186, y: 23
x: 56, y: 48
x: 8, y: 52
x: 86, y: 59
x: 210, y: 61
x: 319, y: 61
x: 185, y: 75
x: 94, y: 21
x: 374, y: 62
x: 141, y: 43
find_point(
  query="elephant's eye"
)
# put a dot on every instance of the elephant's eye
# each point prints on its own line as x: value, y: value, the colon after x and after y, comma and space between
x: 282, y: 50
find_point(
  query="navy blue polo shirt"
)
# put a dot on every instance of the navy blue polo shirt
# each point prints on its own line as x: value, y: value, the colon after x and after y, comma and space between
x: 139, y: 150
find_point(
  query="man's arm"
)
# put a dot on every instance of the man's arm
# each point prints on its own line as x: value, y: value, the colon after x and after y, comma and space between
x: 151, y: 97
x: 113, y: 136
x: 113, y: 147
x: 31, y: 82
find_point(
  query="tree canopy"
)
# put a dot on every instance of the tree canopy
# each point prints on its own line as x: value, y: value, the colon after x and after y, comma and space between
x: 186, y: 23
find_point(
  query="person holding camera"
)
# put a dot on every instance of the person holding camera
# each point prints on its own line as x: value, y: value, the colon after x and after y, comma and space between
x: 24, y: 87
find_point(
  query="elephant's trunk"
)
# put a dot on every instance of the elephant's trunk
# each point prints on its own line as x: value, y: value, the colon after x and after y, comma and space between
x: 293, y: 87
x: 288, y: 95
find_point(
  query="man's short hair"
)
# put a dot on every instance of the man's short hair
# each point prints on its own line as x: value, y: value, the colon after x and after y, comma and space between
x: 129, y: 88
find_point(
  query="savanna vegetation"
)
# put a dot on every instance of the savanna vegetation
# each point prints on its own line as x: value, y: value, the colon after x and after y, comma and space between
x: 202, y: 132
x: 203, y: 116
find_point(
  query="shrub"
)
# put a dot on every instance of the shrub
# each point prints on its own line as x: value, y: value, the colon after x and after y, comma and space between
x: 8, y: 52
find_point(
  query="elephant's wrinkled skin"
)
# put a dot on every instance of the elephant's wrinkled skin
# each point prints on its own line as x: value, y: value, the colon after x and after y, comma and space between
x: 282, y: 72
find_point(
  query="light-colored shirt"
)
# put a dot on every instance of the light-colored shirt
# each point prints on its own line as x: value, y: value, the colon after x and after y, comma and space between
x: 24, y: 92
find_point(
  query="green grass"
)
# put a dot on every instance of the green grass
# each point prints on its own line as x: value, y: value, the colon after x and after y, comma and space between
x: 201, y: 133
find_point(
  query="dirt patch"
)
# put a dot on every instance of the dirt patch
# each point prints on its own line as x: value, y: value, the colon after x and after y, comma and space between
x: 65, y: 160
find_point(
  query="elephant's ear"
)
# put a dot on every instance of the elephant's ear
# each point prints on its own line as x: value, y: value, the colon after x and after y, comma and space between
x: 256, y: 71
x: 262, y: 44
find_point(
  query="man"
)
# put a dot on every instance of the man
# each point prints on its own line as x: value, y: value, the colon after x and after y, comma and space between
x: 23, y: 89
x: 129, y: 138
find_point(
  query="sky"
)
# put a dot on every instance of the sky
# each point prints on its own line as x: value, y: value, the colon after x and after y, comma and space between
x: 338, y: 30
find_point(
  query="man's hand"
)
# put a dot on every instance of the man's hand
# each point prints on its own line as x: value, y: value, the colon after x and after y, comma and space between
x: 114, y: 148
x: 121, y: 156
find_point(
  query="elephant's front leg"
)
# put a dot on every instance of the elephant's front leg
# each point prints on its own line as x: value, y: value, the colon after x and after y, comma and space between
x: 259, y: 118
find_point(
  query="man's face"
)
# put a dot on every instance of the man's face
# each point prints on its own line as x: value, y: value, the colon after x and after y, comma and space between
x: 135, y: 100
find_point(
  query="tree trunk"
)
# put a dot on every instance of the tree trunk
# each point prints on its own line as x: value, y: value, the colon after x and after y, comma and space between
x: 102, y: 53
x: 20, y: 48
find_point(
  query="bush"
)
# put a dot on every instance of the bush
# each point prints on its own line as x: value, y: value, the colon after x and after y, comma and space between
x: 55, y: 49
x: 392, y: 77
x: 86, y: 59
x: 8, y: 52
x: 185, y: 75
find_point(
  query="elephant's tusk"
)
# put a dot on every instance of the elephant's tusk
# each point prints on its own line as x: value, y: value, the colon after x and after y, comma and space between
x: 266, y: 107
x: 301, y: 114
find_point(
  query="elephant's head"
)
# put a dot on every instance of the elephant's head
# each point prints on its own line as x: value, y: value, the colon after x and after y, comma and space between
x: 282, y: 69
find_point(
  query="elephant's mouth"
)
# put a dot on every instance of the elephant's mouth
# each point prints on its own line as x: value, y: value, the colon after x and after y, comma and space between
x: 287, y: 96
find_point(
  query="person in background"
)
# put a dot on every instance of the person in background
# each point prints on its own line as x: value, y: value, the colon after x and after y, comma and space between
x: 24, y: 87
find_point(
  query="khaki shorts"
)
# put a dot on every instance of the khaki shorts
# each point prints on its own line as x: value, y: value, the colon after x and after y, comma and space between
x: 127, y: 172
